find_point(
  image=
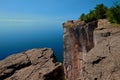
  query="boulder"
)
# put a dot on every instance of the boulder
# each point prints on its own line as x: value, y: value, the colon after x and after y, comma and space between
x: 34, y: 64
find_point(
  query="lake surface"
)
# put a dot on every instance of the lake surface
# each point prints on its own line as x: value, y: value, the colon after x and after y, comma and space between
x: 18, y: 38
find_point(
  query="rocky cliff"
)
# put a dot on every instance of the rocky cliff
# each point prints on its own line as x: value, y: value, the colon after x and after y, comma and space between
x: 103, y: 61
x: 78, y: 40
x: 35, y: 64
x: 91, y: 51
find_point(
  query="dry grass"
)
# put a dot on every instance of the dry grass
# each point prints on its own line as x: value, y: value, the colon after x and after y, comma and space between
x: 68, y: 24
x: 115, y: 25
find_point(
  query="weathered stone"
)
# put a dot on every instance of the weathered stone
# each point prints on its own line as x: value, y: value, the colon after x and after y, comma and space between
x: 103, y: 61
x: 104, y: 29
x: 85, y: 61
x: 78, y: 39
x: 35, y: 64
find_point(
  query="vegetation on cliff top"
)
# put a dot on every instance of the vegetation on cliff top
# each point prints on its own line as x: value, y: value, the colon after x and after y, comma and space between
x: 102, y: 12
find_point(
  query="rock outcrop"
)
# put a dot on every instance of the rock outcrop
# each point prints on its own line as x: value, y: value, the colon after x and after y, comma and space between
x: 35, y: 64
x: 91, y: 51
x: 78, y: 40
x: 103, y: 61
x: 105, y: 29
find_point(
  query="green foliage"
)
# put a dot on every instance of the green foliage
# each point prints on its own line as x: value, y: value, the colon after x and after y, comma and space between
x: 82, y: 17
x: 100, y: 11
x: 113, y: 14
x: 91, y: 16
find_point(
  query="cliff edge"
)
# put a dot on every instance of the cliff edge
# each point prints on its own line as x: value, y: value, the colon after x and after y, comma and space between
x: 91, y: 51
x: 78, y: 40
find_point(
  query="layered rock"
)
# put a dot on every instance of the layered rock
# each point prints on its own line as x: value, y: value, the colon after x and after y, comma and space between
x: 78, y: 40
x: 105, y: 29
x: 91, y: 53
x: 103, y: 61
x: 35, y: 64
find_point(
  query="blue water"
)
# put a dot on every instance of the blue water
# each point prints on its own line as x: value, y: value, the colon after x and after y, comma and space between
x: 18, y: 38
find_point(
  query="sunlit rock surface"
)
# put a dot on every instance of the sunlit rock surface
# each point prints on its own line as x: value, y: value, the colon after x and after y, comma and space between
x: 91, y: 51
x: 34, y: 64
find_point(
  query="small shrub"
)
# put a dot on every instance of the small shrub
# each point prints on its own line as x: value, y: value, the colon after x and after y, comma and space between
x: 82, y: 17
x: 113, y: 14
x: 100, y: 11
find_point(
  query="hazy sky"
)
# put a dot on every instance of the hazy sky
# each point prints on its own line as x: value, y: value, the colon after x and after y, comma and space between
x: 45, y: 11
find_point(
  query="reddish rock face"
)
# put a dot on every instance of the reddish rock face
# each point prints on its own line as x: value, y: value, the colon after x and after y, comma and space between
x: 78, y: 39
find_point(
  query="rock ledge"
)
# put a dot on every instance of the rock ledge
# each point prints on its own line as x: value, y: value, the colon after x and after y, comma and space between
x: 34, y: 64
